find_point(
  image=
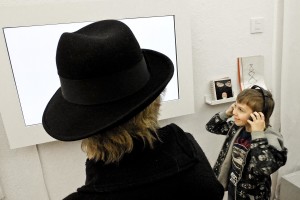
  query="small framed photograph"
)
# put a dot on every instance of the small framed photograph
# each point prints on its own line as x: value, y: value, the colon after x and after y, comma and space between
x: 221, y: 88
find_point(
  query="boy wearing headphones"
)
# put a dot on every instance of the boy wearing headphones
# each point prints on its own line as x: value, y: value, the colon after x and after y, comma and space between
x: 252, y: 151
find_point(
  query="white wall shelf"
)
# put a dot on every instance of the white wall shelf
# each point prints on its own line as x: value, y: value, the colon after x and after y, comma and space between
x: 210, y: 101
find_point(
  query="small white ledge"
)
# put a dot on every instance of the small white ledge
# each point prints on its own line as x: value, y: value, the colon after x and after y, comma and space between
x: 209, y: 101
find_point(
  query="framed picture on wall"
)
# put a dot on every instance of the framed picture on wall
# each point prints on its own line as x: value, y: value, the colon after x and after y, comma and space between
x: 221, y: 88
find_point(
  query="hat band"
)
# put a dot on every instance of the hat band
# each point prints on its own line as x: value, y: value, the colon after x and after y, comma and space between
x: 105, y: 89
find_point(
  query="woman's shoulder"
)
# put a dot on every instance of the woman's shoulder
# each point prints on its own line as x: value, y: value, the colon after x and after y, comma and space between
x: 175, y: 131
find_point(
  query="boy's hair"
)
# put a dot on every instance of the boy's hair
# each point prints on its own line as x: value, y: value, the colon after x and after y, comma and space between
x: 255, y: 100
x: 111, y: 145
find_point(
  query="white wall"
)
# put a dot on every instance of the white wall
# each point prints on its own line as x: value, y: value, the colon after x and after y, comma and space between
x: 290, y: 83
x: 290, y: 107
x: 220, y: 34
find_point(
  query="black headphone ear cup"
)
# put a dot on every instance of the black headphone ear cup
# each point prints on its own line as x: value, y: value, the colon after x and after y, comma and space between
x: 250, y: 118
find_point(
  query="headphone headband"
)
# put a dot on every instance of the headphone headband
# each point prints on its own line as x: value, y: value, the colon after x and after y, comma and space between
x: 264, y: 96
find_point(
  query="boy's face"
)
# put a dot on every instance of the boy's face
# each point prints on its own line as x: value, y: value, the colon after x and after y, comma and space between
x: 241, y: 113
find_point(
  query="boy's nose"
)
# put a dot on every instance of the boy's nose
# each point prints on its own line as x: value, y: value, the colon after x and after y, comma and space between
x: 234, y: 111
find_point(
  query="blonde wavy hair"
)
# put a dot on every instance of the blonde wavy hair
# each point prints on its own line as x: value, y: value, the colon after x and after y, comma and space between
x: 111, y: 145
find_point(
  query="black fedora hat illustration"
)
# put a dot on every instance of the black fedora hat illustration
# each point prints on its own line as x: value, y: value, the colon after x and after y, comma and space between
x: 106, y: 79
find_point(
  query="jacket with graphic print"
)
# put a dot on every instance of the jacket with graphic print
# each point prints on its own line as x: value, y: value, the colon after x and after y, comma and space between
x: 265, y: 156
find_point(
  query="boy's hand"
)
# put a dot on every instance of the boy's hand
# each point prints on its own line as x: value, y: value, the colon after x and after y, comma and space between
x: 229, y: 111
x: 258, y: 121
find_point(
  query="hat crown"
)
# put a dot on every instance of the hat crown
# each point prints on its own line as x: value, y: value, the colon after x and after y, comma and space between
x: 106, y: 78
x: 99, y: 49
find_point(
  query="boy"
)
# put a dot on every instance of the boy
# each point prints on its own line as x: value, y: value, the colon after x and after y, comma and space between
x: 252, y: 151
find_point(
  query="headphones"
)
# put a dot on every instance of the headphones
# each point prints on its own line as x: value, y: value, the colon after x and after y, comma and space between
x: 264, y: 95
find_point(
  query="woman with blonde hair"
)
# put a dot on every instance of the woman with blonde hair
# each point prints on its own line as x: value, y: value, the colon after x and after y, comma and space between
x: 110, y: 98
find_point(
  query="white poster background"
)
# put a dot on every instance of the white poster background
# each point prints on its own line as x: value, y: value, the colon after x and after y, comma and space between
x: 252, y: 71
x: 32, y: 53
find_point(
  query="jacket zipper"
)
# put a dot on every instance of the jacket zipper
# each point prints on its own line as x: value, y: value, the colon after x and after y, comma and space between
x: 241, y: 173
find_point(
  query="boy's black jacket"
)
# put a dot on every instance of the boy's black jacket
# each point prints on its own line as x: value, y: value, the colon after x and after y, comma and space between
x: 256, y: 173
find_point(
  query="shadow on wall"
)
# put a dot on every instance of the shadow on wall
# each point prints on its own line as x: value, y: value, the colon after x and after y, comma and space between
x: 1, y: 193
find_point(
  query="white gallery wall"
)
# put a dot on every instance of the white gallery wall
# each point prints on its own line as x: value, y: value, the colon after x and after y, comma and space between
x: 290, y: 94
x: 220, y: 33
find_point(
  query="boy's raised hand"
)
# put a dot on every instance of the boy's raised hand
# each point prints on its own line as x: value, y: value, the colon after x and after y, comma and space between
x: 229, y: 111
x: 258, y: 121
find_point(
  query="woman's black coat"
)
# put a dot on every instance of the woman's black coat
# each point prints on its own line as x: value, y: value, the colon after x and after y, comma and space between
x: 176, y: 168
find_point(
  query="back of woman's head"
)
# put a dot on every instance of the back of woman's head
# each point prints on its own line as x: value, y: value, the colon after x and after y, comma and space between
x: 259, y: 101
x: 111, y: 145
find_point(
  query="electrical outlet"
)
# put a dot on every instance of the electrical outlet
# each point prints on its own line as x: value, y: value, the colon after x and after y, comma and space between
x: 257, y: 25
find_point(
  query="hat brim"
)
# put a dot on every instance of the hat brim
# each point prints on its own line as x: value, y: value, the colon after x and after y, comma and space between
x: 69, y: 122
